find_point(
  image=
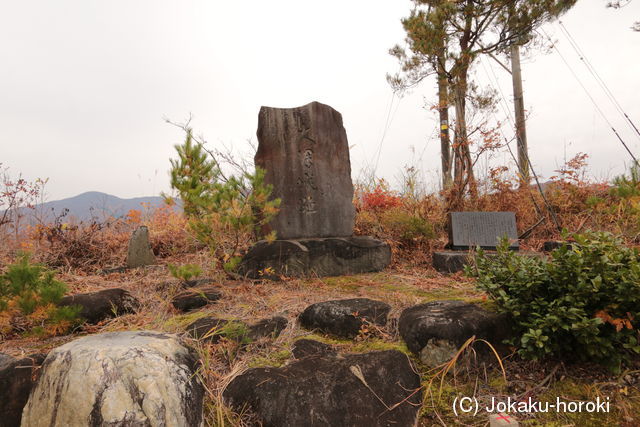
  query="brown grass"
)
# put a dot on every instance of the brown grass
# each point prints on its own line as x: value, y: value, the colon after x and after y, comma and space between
x: 79, y: 254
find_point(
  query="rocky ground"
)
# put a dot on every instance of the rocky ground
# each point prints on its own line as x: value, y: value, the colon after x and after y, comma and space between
x: 242, y: 361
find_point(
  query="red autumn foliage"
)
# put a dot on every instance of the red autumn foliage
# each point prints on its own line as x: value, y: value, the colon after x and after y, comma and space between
x: 381, y: 198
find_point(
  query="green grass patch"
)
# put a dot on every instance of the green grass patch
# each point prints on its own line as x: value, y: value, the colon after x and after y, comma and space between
x: 378, y: 345
x: 180, y: 322
x: 347, y: 283
x: 274, y: 359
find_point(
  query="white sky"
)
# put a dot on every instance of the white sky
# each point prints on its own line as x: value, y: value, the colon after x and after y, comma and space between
x: 85, y: 84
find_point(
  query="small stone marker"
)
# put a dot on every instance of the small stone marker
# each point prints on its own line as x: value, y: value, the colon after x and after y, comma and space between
x: 467, y: 230
x: 306, y: 155
x: 140, y: 253
x: 502, y: 420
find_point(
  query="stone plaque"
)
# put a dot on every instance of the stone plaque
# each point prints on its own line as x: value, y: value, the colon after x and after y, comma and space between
x: 485, y: 229
x: 306, y: 155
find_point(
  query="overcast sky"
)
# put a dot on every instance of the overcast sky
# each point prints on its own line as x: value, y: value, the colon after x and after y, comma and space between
x: 85, y: 84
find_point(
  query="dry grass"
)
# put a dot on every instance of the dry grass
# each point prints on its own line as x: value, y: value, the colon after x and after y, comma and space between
x: 249, y: 301
x: 401, y: 287
x: 79, y: 254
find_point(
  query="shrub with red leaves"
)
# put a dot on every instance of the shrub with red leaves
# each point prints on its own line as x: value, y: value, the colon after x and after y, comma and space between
x: 381, y: 198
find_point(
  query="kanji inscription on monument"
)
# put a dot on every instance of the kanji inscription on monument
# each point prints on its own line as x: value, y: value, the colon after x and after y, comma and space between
x: 484, y: 229
x: 305, y: 153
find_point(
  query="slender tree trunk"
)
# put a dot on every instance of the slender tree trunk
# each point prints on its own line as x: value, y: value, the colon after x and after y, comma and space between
x: 521, y: 131
x: 464, y: 177
x: 443, y: 109
x: 458, y: 144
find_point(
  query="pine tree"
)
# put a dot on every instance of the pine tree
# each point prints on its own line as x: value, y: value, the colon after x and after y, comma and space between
x: 193, y: 175
x: 224, y: 212
x: 445, y: 37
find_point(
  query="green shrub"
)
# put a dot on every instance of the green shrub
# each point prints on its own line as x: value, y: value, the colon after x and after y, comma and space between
x: 30, y: 285
x: 406, y: 226
x: 184, y: 272
x: 69, y: 313
x: 593, y: 201
x: 27, y: 287
x: 583, y: 303
x: 625, y: 187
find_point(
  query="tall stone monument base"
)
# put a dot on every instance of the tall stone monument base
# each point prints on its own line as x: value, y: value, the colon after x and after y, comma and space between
x: 315, y: 257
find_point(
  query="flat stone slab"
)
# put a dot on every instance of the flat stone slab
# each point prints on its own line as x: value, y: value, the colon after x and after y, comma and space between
x: 305, y: 153
x: 344, y: 317
x: 450, y: 261
x: 436, y: 330
x: 332, y: 256
x: 455, y: 261
x: 353, y: 390
x: 468, y: 230
x: 195, y: 298
x: 100, y: 305
x: 212, y: 329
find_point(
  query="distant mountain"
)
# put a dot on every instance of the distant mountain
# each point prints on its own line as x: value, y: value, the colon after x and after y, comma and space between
x: 96, y: 205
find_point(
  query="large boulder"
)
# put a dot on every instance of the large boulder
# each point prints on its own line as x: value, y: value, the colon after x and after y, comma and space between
x: 315, y: 257
x: 371, y: 389
x: 344, y: 318
x: 100, y: 305
x: 436, y: 330
x: 140, y: 378
x: 16, y: 381
x: 195, y: 298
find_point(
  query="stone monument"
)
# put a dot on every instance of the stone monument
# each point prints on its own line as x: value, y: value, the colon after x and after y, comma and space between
x: 306, y: 157
x: 305, y: 153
